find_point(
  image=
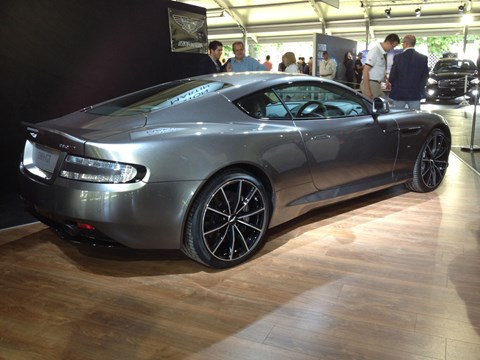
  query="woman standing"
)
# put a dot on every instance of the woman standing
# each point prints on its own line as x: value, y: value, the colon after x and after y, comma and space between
x: 358, y: 70
x: 290, y: 62
x: 349, y: 68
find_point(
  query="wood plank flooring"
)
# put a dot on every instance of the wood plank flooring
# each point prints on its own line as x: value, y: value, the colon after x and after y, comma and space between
x: 393, y: 275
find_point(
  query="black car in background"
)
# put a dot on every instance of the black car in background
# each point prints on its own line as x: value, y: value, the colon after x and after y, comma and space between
x: 452, y: 79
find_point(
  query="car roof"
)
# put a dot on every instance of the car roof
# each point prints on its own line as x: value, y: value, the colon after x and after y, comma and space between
x: 246, y: 82
x: 242, y: 78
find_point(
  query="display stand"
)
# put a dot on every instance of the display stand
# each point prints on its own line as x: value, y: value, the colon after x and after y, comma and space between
x: 465, y: 101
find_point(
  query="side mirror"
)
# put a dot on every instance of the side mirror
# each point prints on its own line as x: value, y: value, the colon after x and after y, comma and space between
x: 380, y: 106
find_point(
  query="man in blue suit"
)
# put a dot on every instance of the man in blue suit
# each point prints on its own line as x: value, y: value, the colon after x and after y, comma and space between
x: 408, y: 76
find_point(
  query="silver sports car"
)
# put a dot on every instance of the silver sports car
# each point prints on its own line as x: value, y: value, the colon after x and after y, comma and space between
x: 208, y: 164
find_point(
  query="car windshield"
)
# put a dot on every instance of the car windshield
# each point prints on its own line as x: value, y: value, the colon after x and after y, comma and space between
x: 454, y: 66
x: 157, y: 97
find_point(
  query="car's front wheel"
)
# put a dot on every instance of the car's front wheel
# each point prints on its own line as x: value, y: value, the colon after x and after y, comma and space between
x: 228, y: 220
x: 431, y: 164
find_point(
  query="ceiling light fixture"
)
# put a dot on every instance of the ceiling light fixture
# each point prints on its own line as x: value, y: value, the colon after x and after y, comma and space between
x: 388, y: 12
x: 461, y: 9
x: 418, y: 12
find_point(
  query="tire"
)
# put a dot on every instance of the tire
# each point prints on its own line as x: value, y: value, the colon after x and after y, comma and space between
x: 228, y: 220
x: 431, y: 164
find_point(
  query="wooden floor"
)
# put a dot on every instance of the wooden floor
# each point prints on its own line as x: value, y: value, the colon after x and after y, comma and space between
x: 394, y: 275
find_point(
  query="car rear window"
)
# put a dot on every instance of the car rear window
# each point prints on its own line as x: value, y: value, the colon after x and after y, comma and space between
x: 157, y: 97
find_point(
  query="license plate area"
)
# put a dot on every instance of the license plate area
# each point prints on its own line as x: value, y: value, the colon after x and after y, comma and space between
x: 40, y: 160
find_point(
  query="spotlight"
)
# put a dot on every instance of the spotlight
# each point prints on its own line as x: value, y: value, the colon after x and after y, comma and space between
x: 418, y: 12
x: 461, y: 9
x: 387, y: 12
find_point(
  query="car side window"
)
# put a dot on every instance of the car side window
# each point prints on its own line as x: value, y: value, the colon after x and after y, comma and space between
x: 263, y: 105
x: 320, y: 100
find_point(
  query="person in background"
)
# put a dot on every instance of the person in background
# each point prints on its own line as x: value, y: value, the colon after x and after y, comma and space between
x: 268, y: 65
x: 358, y: 70
x: 328, y: 68
x: 211, y: 63
x: 241, y: 62
x: 290, y: 62
x: 408, y: 76
x: 375, y: 67
x: 308, y: 66
x: 478, y: 63
x: 301, y: 64
x: 349, y: 68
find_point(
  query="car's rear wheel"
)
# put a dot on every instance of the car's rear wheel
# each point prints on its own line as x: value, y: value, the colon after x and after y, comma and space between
x: 431, y: 164
x: 228, y: 220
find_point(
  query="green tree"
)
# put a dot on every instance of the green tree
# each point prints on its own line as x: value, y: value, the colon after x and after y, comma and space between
x: 437, y: 45
x: 227, y: 50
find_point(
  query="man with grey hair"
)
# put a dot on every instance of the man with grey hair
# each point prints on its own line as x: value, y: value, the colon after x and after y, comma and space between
x: 241, y: 62
x: 408, y: 76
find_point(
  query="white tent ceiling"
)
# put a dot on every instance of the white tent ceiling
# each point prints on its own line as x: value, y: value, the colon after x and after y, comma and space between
x: 265, y: 21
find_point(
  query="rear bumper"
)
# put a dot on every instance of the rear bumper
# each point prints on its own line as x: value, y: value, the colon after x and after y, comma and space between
x: 140, y: 215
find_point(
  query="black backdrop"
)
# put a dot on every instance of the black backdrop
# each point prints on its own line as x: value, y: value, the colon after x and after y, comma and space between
x: 58, y: 56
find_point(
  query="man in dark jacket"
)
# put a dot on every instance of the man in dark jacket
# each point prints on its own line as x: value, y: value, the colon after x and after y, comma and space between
x: 408, y: 76
x: 210, y: 63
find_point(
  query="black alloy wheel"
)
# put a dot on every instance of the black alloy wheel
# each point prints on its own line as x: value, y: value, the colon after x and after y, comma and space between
x: 228, y: 220
x: 431, y: 164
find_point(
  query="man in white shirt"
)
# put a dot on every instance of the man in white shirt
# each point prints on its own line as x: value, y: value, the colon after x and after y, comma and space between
x: 328, y: 68
x: 376, y: 66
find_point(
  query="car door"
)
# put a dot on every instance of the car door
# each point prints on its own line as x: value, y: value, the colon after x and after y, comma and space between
x: 347, y: 149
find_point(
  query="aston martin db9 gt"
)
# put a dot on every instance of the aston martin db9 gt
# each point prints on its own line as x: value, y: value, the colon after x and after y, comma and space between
x: 208, y: 164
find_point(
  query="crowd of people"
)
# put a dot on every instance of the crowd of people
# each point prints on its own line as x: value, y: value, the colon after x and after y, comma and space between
x: 406, y: 80
x: 241, y: 62
x: 290, y: 64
